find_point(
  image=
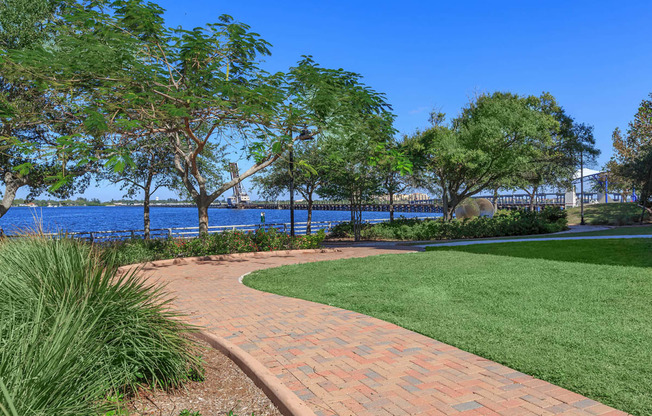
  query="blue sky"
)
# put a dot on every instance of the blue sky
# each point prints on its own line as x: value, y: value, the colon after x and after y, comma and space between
x: 593, y: 56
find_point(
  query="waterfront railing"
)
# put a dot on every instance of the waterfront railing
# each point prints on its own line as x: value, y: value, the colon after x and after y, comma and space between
x: 300, y: 228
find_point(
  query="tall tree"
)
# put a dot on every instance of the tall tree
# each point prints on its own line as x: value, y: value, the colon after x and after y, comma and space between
x: 40, y: 128
x: 352, y: 163
x: 554, y: 159
x: 308, y: 175
x: 631, y: 161
x: 150, y: 168
x: 205, y: 86
x: 494, y: 137
x: 393, y: 165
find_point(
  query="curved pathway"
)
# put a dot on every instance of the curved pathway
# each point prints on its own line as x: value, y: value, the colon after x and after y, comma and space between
x: 344, y: 363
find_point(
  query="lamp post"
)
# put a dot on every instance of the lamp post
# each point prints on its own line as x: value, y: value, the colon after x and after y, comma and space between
x: 303, y: 133
x: 291, y: 175
x: 291, y: 188
x: 582, y: 188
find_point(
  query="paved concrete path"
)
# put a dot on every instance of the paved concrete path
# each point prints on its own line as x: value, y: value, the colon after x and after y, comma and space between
x: 517, y: 240
x: 344, y: 363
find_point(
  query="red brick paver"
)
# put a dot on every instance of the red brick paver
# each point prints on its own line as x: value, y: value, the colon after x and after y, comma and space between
x: 344, y: 363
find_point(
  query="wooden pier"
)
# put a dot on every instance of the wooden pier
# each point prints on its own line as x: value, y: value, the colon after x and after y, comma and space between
x: 433, y: 206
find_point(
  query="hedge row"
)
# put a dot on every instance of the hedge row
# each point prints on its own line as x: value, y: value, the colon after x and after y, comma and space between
x: 504, y: 223
x: 138, y: 251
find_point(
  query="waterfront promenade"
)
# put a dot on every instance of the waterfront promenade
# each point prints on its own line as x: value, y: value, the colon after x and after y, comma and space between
x: 344, y: 363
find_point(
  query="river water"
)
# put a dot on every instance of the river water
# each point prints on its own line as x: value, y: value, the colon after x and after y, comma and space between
x: 75, y: 219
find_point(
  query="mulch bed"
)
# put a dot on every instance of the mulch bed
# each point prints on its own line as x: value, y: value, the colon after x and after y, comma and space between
x: 225, y: 389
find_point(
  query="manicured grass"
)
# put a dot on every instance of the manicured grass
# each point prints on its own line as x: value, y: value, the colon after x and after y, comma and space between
x: 628, y: 230
x: 633, y: 230
x: 607, y: 214
x: 576, y: 323
x: 621, y: 252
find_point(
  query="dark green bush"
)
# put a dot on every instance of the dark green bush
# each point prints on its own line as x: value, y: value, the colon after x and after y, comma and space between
x: 504, y: 223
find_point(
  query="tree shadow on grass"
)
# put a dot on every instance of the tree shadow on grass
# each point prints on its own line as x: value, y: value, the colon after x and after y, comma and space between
x: 616, y: 252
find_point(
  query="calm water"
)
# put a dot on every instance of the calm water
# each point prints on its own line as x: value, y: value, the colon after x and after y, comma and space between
x: 131, y: 218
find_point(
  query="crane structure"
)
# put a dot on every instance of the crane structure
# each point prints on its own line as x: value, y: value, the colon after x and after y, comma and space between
x: 239, y: 195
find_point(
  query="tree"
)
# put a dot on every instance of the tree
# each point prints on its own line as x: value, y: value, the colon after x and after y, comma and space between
x: 494, y: 137
x: 206, y: 86
x: 352, y: 157
x: 392, y: 165
x: 39, y: 148
x: 150, y: 169
x: 554, y: 160
x: 639, y: 172
x: 308, y: 175
x: 632, y: 161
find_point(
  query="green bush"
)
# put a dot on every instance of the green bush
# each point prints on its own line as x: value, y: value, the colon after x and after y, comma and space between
x: 74, y: 332
x: 503, y: 223
x: 139, y: 251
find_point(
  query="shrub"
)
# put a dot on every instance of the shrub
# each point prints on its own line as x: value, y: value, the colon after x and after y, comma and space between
x: 503, y: 223
x: 74, y: 332
x: 139, y: 251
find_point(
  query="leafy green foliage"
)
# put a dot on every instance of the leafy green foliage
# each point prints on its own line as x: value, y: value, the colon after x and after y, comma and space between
x: 186, y: 412
x: 495, y: 137
x: 138, y: 251
x: 74, y: 333
x: 632, y: 161
x: 506, y: 223
x: 555, y: 156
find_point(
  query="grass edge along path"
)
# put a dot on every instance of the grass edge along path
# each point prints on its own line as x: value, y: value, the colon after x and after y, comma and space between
x: 585, y: 327
x: 615, y: 231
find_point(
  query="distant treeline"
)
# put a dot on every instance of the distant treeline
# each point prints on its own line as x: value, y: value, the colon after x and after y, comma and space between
x: 90, y: 202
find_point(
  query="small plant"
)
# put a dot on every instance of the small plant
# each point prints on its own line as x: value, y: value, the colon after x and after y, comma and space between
x: 197, y: 373
x: 186, y: 412
x: 117, y: 400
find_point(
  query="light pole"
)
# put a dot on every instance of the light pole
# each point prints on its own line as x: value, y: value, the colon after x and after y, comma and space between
x: 291, y: 188
x: 291, y: 175
x: 582, y: 188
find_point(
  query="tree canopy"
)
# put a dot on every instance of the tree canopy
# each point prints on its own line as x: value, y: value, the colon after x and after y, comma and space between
x: 631, y: 163
x: 494, y: 138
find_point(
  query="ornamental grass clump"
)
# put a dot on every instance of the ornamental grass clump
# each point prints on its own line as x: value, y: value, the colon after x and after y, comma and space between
x: 74, y: 332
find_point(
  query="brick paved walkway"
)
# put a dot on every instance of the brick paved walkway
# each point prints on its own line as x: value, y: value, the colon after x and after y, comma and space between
x: 344, y: 363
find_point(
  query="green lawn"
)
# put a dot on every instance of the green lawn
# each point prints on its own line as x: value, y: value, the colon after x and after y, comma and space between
x: 617, y: 252
x: 632, y: 230
x: 628, y: 230
x: 614, y: 213
x: 577, y: 323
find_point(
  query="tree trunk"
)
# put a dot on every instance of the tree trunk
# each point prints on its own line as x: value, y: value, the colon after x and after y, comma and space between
x: 531, y: 204
x: 446, y: 210
x: 356, y: 216
x: 12, y: 184
x: 146, y: 197
x: 391, y: 206
x: 495, y: 201
x: 146, y: 221
x: 308, y: 225
x: 202, y: 209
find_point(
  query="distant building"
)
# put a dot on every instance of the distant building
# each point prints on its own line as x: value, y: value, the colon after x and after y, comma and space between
x: 405, y: 198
